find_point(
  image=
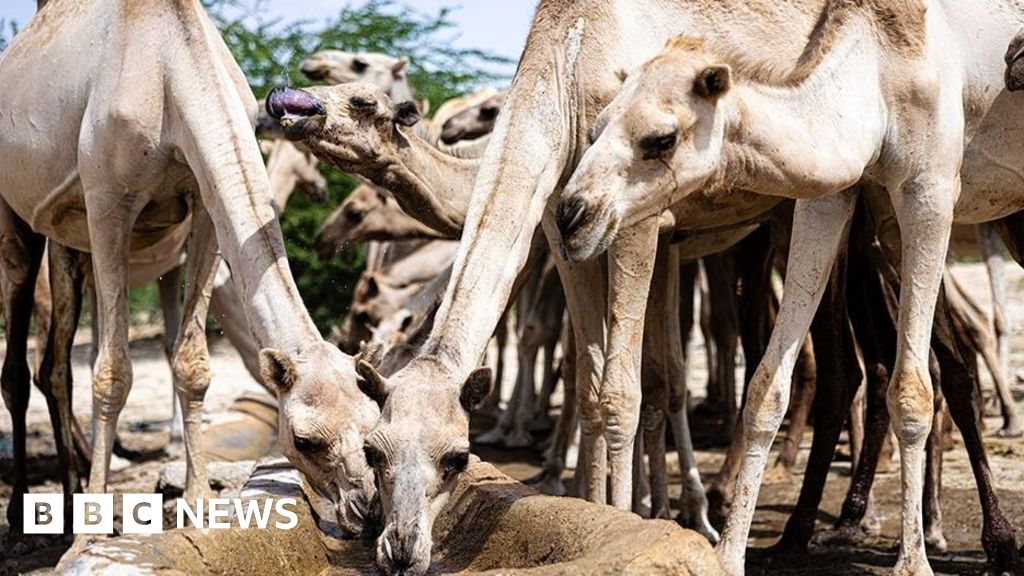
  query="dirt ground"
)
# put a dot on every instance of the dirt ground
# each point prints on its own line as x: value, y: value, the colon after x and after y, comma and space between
x: 143, y: 429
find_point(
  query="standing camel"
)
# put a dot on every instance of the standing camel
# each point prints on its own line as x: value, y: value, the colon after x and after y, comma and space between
x: 142, y: 168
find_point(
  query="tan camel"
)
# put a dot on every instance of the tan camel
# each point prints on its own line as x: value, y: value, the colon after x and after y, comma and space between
x: 368, y: 133
x: 340, y: 67
x: 705, y: 114
x: 137, y: 175
x: 473, y: 122
x: 369, y: 213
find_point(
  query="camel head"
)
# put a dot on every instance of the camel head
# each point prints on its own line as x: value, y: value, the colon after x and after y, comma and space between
x: 357, y: 213
x: 473, y: 122
x: 339, y: 67
x: 660, y: 139
x: 417, y: 450
x: 1015, y: 63
x: 322, y: 425
x: 354, y: 127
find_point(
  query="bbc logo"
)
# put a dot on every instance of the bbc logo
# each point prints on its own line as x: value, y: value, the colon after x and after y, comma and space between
x: 93, y: 514
x: 143, y: 513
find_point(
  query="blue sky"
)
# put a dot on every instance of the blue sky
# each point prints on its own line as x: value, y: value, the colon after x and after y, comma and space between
x: 497, y: 25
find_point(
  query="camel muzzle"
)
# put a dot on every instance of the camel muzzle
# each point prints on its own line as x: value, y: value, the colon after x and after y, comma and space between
x: 283, y: 102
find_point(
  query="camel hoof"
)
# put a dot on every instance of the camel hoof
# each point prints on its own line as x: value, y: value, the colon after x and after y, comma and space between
x: 935, y: 542
x: 493, y: 437
x: 699, y: 525
x: 718, y: 507
x: 786, y: 551
x: 778, y: 474
x: 1010, y: 431
x: 913, y: 567
x: 541, y: 423
x: 844, y: 535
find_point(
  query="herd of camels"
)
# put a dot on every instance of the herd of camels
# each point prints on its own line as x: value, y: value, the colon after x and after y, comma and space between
x: 836, y: 142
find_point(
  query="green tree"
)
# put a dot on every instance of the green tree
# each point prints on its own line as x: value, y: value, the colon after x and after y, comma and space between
x: 269, y: 52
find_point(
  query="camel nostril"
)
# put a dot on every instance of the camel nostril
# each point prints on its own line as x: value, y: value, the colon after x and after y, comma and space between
x: 284, y: 101
x: 570, y: 215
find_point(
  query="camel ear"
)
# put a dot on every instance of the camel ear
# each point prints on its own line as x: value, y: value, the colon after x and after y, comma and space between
x: 475, y: 389
x: 407, y: 113
x: 399, y: 67
x: 372, y: 353
x: 713, y: 82
x: 277, y: 369
x: 371, y: 382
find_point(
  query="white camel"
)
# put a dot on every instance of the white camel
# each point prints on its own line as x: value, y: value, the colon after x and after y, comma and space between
x: 141, y: 169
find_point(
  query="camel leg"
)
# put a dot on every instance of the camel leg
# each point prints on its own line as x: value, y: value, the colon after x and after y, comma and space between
x: 226, y: 307
x: 630, y: 268
x: 714, y: 401
x: 655, y: 371
x: 721, y: 275
x: 991, y: 250
x: 491, y: 404
x: 757, y: 308
x: 191, y: 365
x: 934, y: 539
x: 800, y: 411
x: 925, y: 208
x: 549, y: 481
x: 819, y: 226
x: 585, y: 297
x: 23, y: 252
x: 837, y: 364
x: 66, y: 280
x: 169, y: 285
x: 997, y: 534
x: 519, y: 422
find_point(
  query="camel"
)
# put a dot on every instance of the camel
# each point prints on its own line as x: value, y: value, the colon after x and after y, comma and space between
x: 473, y: 122
x: 339, y: 67
x: 718, y: 123
x: 369, y: 213
x: 139, y: 174
x: 370, y: 136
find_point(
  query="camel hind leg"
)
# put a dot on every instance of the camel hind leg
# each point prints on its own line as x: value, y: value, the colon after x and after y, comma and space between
x: 22, y: 252
x: 66, y: 276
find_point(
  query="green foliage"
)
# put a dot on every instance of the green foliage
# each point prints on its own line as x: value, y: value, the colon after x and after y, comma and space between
x: 8, y: 28
x: 270, y: 52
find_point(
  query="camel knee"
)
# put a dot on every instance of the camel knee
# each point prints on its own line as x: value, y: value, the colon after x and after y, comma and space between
x: 620, y: 409
x: 911, y: 405
x: 767, y: 401
x: 110, y: 386
x: 191, y: 367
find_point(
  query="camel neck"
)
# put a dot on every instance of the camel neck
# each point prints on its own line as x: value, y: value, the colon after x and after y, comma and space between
x: 226, y: 161
x: 431, y: 184
x: 812, y: 137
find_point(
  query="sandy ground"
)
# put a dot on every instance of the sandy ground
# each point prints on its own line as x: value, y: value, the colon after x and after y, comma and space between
x: 143, y: 428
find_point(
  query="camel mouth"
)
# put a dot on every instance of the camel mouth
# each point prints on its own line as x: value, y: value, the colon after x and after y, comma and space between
x: 450, y: 136
x: 298, y: 111
x: 587, y: 236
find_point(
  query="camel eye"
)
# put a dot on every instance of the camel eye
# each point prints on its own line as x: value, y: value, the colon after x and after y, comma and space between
x: 489, y: 113
x: 309, y: 445
x: 454, y: 463
x: 362, y: 103
x: 373, y: 456
x: 656, y: 146
x: 354, y: 217
x: 359, y: 65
